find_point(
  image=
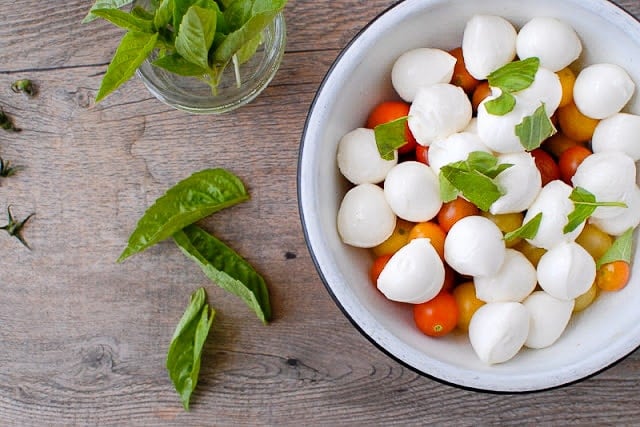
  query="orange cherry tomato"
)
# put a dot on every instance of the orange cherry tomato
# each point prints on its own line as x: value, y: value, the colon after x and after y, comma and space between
x: 549, y: 170
x: 468, y: 303
x: 574, y: 124
x: 570, y: 160
x: 558, y: 143
x: 388, y: 111
x: 453, y: 211
x: 433, y: 232
x: 567, y: 80
x: 461, y: 76
x: 438, y: 316
x: 479, y: 93
x: 398, y: 239
x: 422, y: 154
x: 613, y: 276
x: 376, y: 268
x: 449, y: 278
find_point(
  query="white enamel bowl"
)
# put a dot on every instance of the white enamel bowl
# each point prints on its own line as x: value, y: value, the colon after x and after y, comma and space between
x: 359, y: 79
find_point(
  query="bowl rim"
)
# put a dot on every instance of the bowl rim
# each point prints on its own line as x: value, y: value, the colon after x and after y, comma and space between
x: 304, y: 219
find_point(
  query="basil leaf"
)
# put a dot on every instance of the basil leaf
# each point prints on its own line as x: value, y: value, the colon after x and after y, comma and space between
x: 163, y: 14
x: 501, y: 105
x: 448, y: 192
x: 534, y: 129
x: 104, y: 4
x: 515, y: 76
x: 234, y: 41
x: 125, y: 20
x: 185, y: 350
x: 390, y: 136
x: 196, y: 34
x: 480, y: 161
x: 249, y: 49
x: 225, y: 268
x: 176, y: 64
x: 190, y: 200
x: 528, y: 230
x: 620, y: 250
x: 479, y: 189
x: 140, y: 12
x: 584, y: 205
x: 130, y: 54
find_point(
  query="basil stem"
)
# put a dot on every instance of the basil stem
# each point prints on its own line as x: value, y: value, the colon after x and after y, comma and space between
x: 225, y: 268
x: 185, y: 350
x: 190, y: 200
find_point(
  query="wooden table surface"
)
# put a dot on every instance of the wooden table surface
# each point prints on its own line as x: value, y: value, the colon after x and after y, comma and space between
x: 83, y: 339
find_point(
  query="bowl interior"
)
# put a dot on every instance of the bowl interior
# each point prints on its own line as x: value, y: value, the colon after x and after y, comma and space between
x: 358, y: 80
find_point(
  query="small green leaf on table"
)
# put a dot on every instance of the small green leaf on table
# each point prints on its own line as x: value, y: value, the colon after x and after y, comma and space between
x: 104, y: 4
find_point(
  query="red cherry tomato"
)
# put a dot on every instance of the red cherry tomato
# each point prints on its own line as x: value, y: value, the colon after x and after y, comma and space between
x: 422, y: 154
x: 453, y: 211
x: 548, y: 168
x: 570, y: 160
x: 377, y: 267
x: 438, y: 316
x: 388, y: 111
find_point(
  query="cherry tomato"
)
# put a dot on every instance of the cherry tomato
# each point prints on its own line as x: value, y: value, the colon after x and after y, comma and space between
x: 480, y: 92
x: 422, y: 154
x: 558, y: 143
x: 461, y: 76
x: 449, y: 278
x: 594, y: 241
x: 468, y: 303
x: 570, y: 160
x: 453, y: 211
x: 583, y: 301
x: 387, y: 112
x: 377, y: 267
x: 506, y: 223
x: 438, y: 316
x: 433, y: 232
x: 574, y: 124
x: 549, y: 170
x: 532, y: 253
x: 398, y: 239
x: 567, y: 80
x: 613, y: 276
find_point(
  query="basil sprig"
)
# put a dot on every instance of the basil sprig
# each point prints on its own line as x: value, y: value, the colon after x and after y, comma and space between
x: 193, y: 38
x: 474, y: 178
x: 528, y: 230
x: 620, y: 250
x: 187, y: 343
x: 584, y: 205
x: 190, y: 200
x: 512, y: 77
x: 225, y: 268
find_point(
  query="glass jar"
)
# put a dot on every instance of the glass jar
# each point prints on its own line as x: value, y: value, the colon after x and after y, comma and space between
x: 193, y: 95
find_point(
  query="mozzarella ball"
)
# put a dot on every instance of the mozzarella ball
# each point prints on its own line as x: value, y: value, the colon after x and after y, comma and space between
x: 627, y: 218
x: 413, y: 192
x: 514, y: 281
x: 474, y: 246
x: 421, y: 67
x: 520, y: 184
x: 554, y: 203
x: 359, y: 160
x: 608, y: 175
x: 454, y: 148
x: 472, y: 127
x: 620, y: 132
x: 499, y: 132
x: 438, y: 111
x: 554, y: 42
x: 365, y: 219
x: 488, y: 43
x: 498, y: 330
x: 601, y: 90
x: 414, y: 274
x: 546, y: 89
x: 548, y: 318
x: 566, y: 271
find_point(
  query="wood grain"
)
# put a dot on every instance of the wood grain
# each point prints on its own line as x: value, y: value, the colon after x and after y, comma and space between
x: 83, y: 339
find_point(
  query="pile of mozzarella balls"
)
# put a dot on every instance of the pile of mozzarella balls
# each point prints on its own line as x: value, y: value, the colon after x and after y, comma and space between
x: 517, y: 312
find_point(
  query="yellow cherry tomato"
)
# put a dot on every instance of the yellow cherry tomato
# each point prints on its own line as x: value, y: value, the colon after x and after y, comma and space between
x: 567, y: 80
x: 468, y: 303
x: 398, y: 239
x: 585, y: 300
x: 506, y: 223
x: 574, y: 124
x: 594, y: 241
x: 532, y: 253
